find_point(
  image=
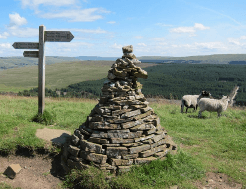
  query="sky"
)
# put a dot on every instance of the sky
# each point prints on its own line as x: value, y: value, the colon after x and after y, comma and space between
x: 102, y: 27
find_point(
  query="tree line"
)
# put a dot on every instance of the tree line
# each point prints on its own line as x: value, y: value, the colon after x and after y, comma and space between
x: 174, y: 81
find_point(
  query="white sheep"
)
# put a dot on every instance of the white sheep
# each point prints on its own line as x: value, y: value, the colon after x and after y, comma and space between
x: 190, y: 101
x: 216, y: 105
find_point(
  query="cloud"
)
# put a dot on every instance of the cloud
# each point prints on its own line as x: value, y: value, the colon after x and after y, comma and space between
x: 237, y: 41
x: 162, y: 43
x: 200, y: 27
x: 6, y: 45
x: 96, y: 31
x: 111, y: 22
x: 190, y: 30
x: 116, y: 46
x: 159, y: 39
x: 71, y: 13
x: 210, y: 45
x: 4, y: 35
x: 142, y: 44
x: 183, y: 30
x: 33, y: 4
x: 16, y: 20
x: 6, y: 49
x: 205, y: 45
x: 234, y: 41
x: 24, y: 32
x: 84, y: 15
x: 243, y: 37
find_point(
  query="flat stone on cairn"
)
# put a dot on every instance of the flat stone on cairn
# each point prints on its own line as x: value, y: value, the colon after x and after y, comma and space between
x: 121, y: 130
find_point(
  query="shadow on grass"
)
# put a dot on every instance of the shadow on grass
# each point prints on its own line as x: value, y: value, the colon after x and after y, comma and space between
x: 194, y: 116
x: 45, y: 118
x: 24, y: 151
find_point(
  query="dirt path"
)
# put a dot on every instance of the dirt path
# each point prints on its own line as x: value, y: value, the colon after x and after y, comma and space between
x: 217, y: 181
x: 39, y: 172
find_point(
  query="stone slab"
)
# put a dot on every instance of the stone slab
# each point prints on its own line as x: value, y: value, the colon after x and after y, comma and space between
x: 152, y: 151
x: 119, y: 162
x: 76, y: 165
x: 121, y: 140
x: 73, y: 150
x: 98, y: 158
x: 90, y: 146
x: 55, y: 136
x: 144, y: 160
x: 98, y: 140
x: 12, y: 170
x: 138, y: 149
x: 116, y: 152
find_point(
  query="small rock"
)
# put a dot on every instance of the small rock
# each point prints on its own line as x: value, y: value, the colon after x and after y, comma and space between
x: 12, y: 170
x: 174, y: 187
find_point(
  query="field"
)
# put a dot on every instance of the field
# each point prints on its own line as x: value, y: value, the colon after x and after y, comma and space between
x: 58, y: 75
x: 207, y: 146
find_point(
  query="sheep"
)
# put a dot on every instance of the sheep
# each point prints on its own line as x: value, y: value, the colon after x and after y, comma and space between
x: 190, y: 101
x: 216, y: 105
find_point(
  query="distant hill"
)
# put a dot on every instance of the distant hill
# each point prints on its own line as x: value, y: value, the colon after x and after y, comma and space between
x: 207, y: 59
x: 15, y: 62
x: 96, y: 58
x: 18, y: 61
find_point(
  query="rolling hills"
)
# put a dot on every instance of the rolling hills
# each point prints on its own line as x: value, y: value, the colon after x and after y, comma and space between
x: 58, y: 75
x: 16, y: 62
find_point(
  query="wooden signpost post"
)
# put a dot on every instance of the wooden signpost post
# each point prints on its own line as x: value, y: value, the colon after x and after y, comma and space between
x: 49, y: 36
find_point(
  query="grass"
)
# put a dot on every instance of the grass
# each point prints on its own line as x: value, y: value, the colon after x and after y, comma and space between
x: 209, y: 144
x: 16, y: 113
x: 57, y: 75
x: 173, y: 170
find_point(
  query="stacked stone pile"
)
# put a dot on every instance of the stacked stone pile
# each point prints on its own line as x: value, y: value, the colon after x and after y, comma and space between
x: 121, y: 130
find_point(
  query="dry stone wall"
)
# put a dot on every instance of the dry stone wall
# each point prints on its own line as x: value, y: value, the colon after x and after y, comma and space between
x: 121, y: 130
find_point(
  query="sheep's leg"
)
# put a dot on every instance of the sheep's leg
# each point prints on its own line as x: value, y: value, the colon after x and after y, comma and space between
x: 219, y: 114
x: 186, y: 109
x: 182, y: 108
x: 200, y: 114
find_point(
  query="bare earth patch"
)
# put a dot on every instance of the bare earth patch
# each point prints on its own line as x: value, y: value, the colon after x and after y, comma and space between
x: 38, y: 172
x: 217, y: 181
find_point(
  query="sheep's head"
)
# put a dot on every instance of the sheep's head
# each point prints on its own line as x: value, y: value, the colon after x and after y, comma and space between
x: 205, y: 94
x: 225, y: 98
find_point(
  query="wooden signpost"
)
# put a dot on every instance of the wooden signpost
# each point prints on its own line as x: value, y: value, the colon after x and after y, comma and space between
x: 49, y: 36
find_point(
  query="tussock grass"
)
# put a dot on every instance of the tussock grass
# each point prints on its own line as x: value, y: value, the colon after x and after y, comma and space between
x: 18, y: 129
x: 210, y: 144
x: 174, y: 170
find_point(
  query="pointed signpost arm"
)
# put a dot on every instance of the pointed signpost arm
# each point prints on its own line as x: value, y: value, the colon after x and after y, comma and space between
x: 41, y: 70
x: 49, y: 36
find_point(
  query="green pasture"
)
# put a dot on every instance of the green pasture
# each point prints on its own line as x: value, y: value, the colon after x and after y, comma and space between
x: 57, y: 75
x: 209, y: 144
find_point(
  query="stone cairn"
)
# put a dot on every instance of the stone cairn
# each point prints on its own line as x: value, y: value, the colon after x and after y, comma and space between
x: 121, y: 130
